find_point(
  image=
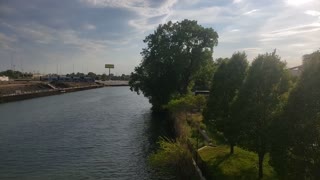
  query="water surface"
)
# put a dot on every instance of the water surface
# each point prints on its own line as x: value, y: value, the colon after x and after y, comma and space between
x: 104, y: 133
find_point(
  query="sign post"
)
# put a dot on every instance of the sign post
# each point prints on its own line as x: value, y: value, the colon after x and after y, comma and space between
x: 109, y: 66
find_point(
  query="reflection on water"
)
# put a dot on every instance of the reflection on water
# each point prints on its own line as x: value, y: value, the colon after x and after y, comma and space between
x: 96, y: 134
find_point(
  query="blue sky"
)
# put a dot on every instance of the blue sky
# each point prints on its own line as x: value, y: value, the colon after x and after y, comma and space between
x: 46, y: 35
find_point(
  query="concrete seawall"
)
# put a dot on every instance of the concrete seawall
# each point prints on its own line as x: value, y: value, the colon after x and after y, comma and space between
x: 113, y: 83
x: 30, y: 95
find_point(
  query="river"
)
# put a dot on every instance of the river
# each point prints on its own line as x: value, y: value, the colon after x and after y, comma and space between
x: 104, y: 133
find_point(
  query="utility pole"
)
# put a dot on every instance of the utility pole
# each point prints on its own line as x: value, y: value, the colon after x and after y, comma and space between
x: 21, y: 68
x: 11, y: 62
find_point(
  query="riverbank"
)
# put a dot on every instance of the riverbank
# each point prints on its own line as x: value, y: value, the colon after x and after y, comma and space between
x: 16, y: 91
x: 208, y: 150
x: 211, y: 155
x: 176, y: 158
x: 113, y: 83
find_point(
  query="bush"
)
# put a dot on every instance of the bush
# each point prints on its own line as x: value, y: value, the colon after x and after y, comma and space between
x: 173, y: 160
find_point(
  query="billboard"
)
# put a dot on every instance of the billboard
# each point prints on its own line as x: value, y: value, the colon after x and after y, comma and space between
x: 109, y: 66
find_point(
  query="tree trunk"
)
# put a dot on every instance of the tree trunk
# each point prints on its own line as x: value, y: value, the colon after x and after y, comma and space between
x: 231, y: 148
x: 261, y: 156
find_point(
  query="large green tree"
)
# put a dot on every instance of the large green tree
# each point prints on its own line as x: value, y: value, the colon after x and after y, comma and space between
x: 226, y: 82
x: 259, y: 101
x: 175, y: 52
x: 203, y: 78
x: 297, y: 153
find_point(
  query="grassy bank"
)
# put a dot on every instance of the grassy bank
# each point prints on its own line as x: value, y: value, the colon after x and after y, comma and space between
x: 207, y: 149
x: 220, y: 164
x: 214, y: 157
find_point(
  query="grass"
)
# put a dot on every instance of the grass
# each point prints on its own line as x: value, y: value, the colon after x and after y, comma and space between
x: 218, y: 163
x: 240, y: 165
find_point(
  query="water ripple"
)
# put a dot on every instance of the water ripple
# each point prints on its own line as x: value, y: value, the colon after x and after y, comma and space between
x: 96, y: 134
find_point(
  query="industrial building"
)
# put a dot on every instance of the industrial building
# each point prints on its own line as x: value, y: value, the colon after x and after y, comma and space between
x: 4, y: 78
x: 67, y: 79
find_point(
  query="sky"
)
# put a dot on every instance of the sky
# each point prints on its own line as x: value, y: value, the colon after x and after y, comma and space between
x: 50, y: 36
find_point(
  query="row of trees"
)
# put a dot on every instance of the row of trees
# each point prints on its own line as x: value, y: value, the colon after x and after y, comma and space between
x: 15, y: 74
x: 260, y: 109
x: 21, y: 75
x: 103, y: 76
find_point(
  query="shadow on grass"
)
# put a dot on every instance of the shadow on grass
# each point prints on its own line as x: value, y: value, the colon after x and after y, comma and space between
x: 231, y: 166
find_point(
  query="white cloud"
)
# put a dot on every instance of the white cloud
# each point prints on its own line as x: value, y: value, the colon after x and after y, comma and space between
x: 206, y: 15
x: 114, y: 3
x: 250, y: 12
x: 237, y: 1
x: 143, y: 9
x: 234, y: 30
x: 312, y: 13
x: 298, y: 2
x: 89, y: 27
x: 298, y: 45
x: 293, y: 30
x: 250, y: 49
x: 44, y: 35
x: 6, y: 41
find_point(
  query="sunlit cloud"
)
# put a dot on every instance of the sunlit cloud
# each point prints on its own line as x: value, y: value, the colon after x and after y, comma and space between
x: 312, y: 13
x: 250, y: 12
x: 234, y: 30
x: 294, y: 30
x: 237, y: 1
x: 252, y: 49
x: 298, y: 2
x: 143, y: 8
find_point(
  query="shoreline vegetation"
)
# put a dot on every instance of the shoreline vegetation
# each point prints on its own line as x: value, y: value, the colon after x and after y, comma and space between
x: 210, y: 152
x: 259, y: 121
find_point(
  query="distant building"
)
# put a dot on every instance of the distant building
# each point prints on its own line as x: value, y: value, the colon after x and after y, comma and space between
x: 36, y: 76
x: 67, y: 79
x: 4, y: 78
x: 295, y: 71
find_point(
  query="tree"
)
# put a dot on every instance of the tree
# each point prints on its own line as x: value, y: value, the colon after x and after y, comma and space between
x: 226, y: 82
x: 258, y: 102
x: 78, y: 74
x: 104, y: 77
x: 186, y: 104
x: 175, y: 52
x: 15, y: 74
x: 299, y: 155
x: 202, y: 79
x: 92, y: 75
